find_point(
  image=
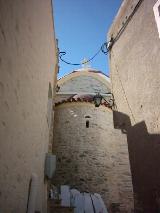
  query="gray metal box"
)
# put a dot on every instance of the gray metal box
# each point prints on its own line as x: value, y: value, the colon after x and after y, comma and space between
x: 50, y: 165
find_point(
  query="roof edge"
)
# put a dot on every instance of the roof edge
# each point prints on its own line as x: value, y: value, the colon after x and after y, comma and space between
x: 82, y: 100
x: 85, y: 70
x: 124, y: 11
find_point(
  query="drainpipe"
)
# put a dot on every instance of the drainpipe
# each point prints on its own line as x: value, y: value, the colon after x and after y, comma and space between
x: 32, y: 194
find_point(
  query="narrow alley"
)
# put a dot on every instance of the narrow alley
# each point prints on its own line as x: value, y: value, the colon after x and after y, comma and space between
x: 79, y: 106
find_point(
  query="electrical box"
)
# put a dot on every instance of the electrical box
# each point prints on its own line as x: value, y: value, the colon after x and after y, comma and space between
x: 50, y: 165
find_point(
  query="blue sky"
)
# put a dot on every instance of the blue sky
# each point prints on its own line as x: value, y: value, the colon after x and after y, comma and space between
x: 81, y: 28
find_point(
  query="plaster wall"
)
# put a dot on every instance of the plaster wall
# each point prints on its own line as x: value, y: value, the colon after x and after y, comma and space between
x: 135, y: 76
x: 27, y: 65
x: 93, y: 159
x: 134, y: 65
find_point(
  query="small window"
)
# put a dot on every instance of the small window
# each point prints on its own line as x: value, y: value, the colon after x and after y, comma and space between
x: 87, y: 124
x: 87, y: 116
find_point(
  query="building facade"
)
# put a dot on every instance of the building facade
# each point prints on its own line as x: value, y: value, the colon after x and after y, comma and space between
x: 134, y: 66
x: 28, y: 65
x: 91, y: 155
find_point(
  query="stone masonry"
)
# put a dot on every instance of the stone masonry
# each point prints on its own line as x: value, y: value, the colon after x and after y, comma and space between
x: 93, y: 159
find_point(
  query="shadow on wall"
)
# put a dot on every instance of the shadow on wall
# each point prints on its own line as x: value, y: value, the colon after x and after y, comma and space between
x: 144, y: 154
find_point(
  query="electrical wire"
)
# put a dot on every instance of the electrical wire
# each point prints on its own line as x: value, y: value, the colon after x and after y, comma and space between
x: 127, y: 21
x: 107, y: 46
x: 104, y: 49
x: 77, y: 64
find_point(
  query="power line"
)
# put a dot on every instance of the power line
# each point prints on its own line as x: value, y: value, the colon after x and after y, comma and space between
x: 127, y: 21
x: 102, y: 48
x: 106, y: 46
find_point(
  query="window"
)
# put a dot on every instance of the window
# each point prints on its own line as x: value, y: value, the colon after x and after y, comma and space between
x: 87, y: 116
x: 87, y: 124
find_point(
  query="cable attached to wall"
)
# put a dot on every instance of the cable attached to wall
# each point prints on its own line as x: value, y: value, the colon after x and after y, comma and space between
x: 127, y: 21
x: 77, y: 64
x: 112, y: 42
x: 106, y: 46
x: 102, y: 49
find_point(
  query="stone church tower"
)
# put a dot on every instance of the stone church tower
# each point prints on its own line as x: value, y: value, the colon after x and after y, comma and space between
x: 91, y: 155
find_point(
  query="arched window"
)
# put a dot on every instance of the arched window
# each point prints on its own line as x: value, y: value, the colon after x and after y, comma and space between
x: 87, y: 116
x: 87, y: 123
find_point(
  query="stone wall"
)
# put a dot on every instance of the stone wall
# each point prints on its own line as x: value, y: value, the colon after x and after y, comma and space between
x: 134, y: 65
x: 82, y: 81
x: 27, y: 65
x: 84, y: 84
x: 93, y: 159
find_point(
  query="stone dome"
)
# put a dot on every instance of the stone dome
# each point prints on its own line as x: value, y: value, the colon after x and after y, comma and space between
x: 82, y: 85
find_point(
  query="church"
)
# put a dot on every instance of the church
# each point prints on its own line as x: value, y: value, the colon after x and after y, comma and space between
x: 92, y: 156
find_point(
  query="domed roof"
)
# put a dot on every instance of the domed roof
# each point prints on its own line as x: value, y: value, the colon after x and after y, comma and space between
x: 82, y: 85
x: 89, y: 69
